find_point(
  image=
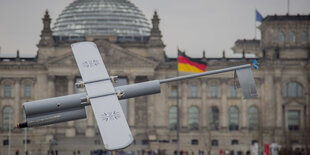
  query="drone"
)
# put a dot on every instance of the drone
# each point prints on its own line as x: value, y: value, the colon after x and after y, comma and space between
x: 104, y: 97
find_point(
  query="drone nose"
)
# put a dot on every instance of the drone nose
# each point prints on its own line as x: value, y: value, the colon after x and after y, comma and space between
x: 22, y: 125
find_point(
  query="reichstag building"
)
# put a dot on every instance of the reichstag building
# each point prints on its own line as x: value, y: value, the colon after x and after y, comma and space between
x: 213, y: 115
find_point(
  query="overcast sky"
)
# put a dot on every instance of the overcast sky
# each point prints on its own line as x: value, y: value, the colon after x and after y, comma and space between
x: 191, y: 25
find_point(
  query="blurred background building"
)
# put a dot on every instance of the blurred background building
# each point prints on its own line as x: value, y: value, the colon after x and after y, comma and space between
x: 213, y: 115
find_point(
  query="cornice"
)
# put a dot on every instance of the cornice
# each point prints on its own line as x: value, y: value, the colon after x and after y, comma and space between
x: 22, y: 67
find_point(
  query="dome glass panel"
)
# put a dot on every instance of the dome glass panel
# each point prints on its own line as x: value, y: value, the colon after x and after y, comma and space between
x: 101, y: 17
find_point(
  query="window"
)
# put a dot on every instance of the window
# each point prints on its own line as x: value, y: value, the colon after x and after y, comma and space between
x: 233, y: 118
x: 293, y: 120
x: 174, y: 91
x: 292, y: 89
x: 7, y: 118
x: 52, y: 152
x: 27, y: 140
x: 145, y: 142
x: 163, y: 141
x: 233, y: 92
x: 7, y: 91
x: 194, y: 91
x: 81, y: 126
x: 195, y: 142
x: 214, y: 142
x: 214, y: 118
x: 253, y: 118
x: 292, y: 37
x: 234, y: 142
x: 174, y: 141
x: 98, y: 142
x: 193, y: 118
x: 280, y: 37
x: 27, y: 91
x: 254, y: 141
x: 295, y: 142
x: 303, y: 36
x: 213, y: 91
x: 173, y: 118
x: 5, y: 142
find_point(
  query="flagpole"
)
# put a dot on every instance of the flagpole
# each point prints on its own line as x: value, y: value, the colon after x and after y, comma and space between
x: 288, y: 6
x: 178, y: 109
x: 255, y: 24
x: 25, y: 140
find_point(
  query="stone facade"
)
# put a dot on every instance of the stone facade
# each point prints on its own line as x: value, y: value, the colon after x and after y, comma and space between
x: 283, y: 65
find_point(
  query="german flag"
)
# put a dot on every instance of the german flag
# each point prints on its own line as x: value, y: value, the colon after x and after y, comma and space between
x: 185, y: 64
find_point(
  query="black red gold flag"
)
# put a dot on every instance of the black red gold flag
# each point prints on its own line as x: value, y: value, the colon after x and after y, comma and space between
x: 185, y: 64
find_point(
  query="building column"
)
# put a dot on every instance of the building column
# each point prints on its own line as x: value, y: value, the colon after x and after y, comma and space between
x: 70, y: 84
x: 204, y: 117
x: 243, y: 112
x: 278, y: 105
x: 17, y: 105
x: 51, y: 86
x: 150, y: 107
x: 131, y: 103
x: 70, y: 130
x: 270, y: 105
x: 223, y: 108
x: 90, y: 130
x: 307, y: 111
x: 183, y: 105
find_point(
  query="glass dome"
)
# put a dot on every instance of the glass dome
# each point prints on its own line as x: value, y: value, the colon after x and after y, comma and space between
x: 101, y: 17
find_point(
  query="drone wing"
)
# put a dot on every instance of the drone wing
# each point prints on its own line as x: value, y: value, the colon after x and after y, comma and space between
x: 110, y: 118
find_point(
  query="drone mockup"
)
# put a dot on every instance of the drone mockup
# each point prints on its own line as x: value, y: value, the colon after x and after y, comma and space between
x: 104, y: 97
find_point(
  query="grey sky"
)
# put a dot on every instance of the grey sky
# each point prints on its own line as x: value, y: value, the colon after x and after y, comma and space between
x: 194, y: 26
